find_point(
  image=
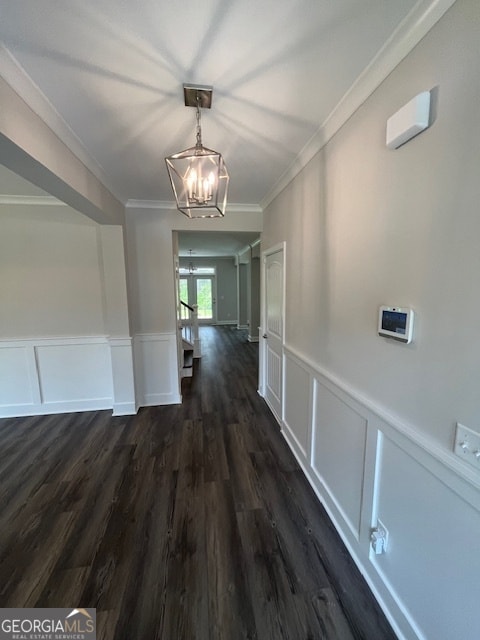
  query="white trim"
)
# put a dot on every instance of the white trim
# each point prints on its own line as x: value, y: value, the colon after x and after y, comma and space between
x: 120, y: 341
x: 161, y: 371
x: 169, y: 205
x: 123, y: 379
x: 124, y: 409
x: 418, y: 22
x: 31, y: 353
x: 150, y: 204
x: 118, y: 381
x: 34, y: 201
x: 50, y: 408
x: 281, y: 246
x: 152, y: 337
x: 52, y: 341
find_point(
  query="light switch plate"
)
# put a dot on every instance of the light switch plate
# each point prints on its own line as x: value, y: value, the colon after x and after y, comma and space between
x: 467, y: 445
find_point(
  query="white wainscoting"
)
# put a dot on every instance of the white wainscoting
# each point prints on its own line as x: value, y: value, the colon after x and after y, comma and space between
x: 54, y: 375
x: 156, y: 369
x: 365, y: 464
x: 123, y: 380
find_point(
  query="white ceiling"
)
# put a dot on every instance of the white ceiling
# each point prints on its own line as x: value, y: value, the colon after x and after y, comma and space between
x: 112, y: 73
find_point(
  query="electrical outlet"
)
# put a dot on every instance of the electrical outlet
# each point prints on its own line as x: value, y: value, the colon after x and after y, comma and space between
x: 467, y: 445
x: 379, y: 538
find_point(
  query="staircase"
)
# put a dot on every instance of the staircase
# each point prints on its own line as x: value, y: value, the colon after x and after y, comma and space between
x: 191, y: 347
x: 187, y: 364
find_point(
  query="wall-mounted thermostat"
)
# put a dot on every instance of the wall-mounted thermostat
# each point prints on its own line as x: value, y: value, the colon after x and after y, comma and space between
x: 409, y: 121
x: 396, y: 322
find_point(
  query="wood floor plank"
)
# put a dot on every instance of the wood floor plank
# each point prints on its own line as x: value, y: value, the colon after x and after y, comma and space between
x: 63, y: 588
x: 360, y: 609
x: 300, y: 555
x: 279, y: 614
x: 215, y: 457
x: 186, y: 602
x: 190, y: 471
x: 242, y: 473
x: 110, y: 568
x: 30, y: 541
x: 93, y: 499
x: 229, y: 599
x: 142, y: 610
x: 330, y: 615
x: 43, y: 558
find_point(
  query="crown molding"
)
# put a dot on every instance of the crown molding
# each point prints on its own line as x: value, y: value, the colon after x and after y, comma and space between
x: 36, y: 201
x: 249, y: 247
x: 15, y: 75
x: 169, y: 205
x: 424, y: 15
x: 164, y: 205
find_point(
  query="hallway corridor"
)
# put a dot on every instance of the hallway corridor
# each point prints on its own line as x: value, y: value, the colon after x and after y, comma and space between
x: 184, y: 522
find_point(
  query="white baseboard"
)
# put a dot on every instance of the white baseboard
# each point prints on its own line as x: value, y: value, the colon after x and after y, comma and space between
x: 50, y: 408
x: 159, y: 399
x: 124, y: 409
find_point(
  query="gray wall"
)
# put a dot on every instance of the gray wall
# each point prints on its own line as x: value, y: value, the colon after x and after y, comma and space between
x: 373, y: 226
x: 50, y: 273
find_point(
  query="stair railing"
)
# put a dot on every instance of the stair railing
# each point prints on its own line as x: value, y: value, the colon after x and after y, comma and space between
x: 189, y: 324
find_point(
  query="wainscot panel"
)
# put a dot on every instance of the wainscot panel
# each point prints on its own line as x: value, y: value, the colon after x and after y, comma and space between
x: 19, y: 386
x: 55, y: 375
x: 338, y: 454
x: 123, y: 380
x: 156, y: 369
x: 298, y: 405
x: 432, y: 561
x: 364, y: 464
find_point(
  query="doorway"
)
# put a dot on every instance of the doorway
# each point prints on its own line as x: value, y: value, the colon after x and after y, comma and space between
x: 271, y: 369
x: 199, y: 289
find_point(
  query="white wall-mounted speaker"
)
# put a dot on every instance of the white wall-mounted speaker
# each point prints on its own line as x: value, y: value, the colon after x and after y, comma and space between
x: 409, y: 121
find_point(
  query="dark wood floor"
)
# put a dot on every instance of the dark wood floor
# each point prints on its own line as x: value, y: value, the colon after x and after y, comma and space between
x: 180, y: 523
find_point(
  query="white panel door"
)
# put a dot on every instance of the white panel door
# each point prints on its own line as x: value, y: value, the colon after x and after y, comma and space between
x: 273, y: 331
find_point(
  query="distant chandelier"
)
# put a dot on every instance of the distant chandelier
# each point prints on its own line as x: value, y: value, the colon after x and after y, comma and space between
x: 191, y: 266
x: 198, y: 175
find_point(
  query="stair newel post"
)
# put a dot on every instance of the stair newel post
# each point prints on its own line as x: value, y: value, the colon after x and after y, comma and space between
x: 197, y: 345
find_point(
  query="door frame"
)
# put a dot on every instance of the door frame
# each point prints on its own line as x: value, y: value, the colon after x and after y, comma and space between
x: 281, y: 246
x: 213, y: 278
x: 191, y: 279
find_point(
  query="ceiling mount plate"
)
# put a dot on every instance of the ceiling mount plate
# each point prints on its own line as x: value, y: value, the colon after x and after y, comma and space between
x: 198, y: 94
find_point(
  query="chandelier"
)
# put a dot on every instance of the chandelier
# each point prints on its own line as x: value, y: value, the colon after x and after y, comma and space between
x: 198, y: 175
